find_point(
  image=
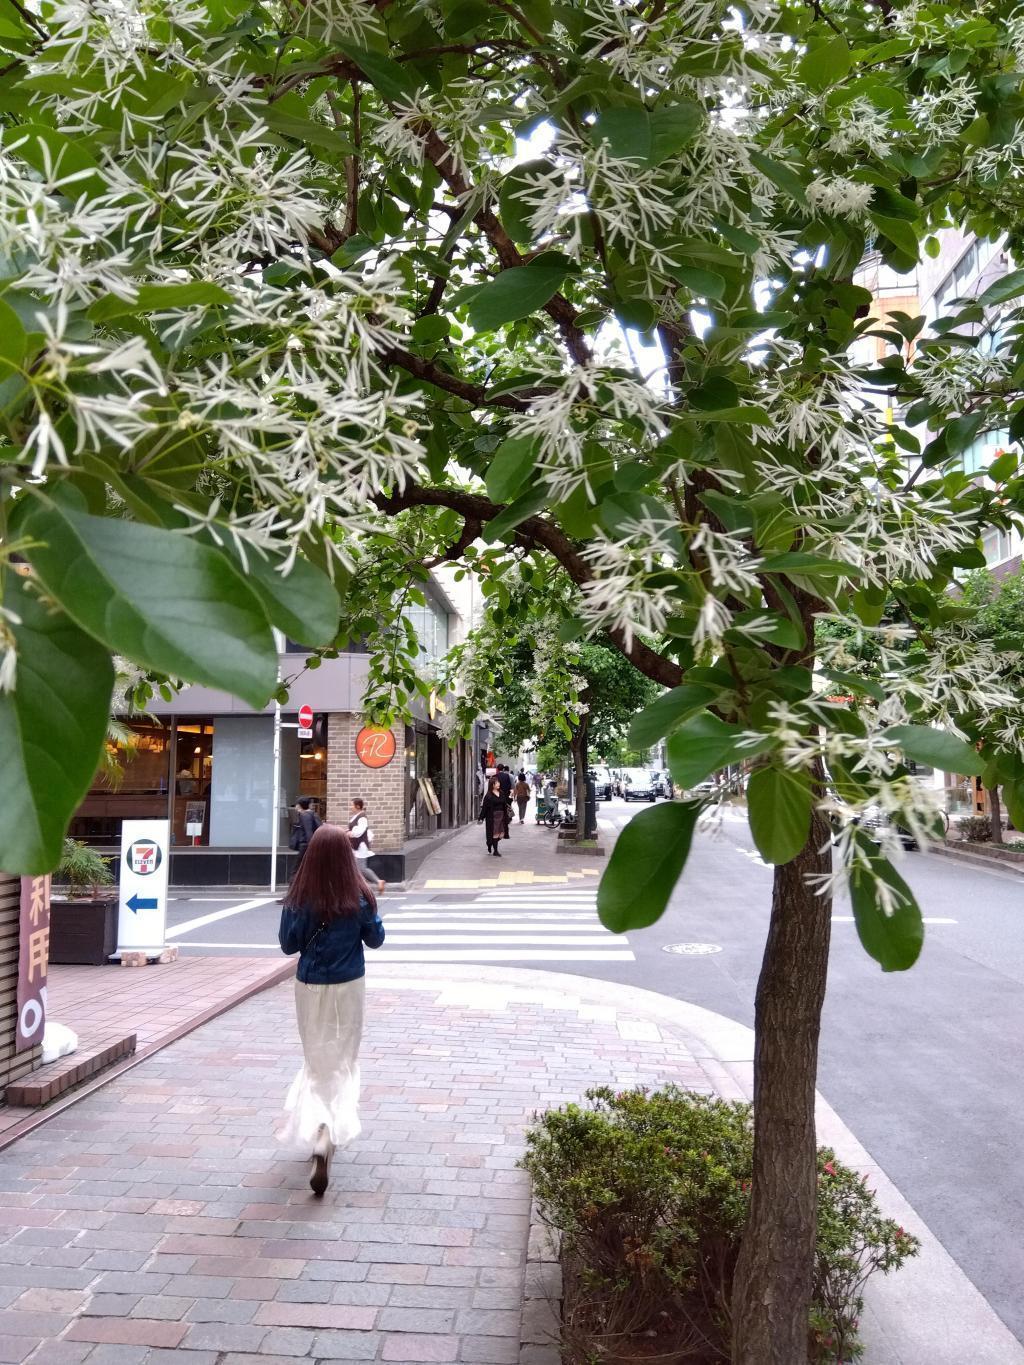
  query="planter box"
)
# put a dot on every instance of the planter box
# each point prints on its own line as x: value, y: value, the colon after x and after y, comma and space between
x: 83, y: 932
x: 582, y: 851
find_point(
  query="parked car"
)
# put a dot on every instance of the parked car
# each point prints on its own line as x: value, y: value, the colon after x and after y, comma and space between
x: 637, y: 785
x: 604, y: 783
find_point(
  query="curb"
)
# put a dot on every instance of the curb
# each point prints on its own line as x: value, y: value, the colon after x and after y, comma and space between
x: 541, y: 1321
x: 987, y: 862
x: 29, y: 1125
x: 928, y: 1314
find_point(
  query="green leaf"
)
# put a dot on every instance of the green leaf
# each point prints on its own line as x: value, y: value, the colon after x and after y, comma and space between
x: 307, y: 131
x: 1008, y: 287
x: 646, y: 862
x: 52, y: 728
x: 1013, y: 799
x: 431, y: 328
x: 394, y: 80
x: 781, y: 176
x: 899, y: 232
x: 515, y: 213
x: 668, y: 710
x: 779, y: 808
x: 510, y: 466
x: 156, y: 298
x: 826, y: 63
x: 803, y: 562
x: 895, y: 940
x: 515, y: 293
x: 59, y: 158
x: 303, y: 603
x: 706, y: 283
x: 936, y: 748
x: 648, y: 137
x: 1003, y: 466
x: 13, y: 341
x: 159, y: 597
x: 531, y: 502
x: 702, y: 745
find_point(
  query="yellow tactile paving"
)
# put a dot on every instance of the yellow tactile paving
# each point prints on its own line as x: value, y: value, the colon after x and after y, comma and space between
x: 526, y: 878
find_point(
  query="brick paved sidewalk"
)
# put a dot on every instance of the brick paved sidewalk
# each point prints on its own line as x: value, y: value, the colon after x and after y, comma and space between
x: 156, y: 1003
x: 156, y: 1222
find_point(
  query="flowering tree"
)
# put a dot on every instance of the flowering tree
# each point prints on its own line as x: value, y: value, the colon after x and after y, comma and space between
x: 573, y: 279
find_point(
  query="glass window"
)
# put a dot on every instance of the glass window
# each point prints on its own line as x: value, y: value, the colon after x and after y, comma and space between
x: 430, y: 623
x: 130, y: 784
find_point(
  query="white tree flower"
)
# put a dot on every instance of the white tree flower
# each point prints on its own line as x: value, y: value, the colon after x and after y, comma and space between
x: 840, y: 197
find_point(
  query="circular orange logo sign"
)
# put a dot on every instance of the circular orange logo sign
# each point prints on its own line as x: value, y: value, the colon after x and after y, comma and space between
x: 375, y: 748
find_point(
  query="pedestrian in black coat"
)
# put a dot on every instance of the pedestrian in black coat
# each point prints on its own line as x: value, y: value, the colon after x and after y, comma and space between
x: 493, y: 816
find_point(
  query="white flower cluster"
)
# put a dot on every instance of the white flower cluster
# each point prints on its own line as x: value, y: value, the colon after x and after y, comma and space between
x: 860, y: 124
x: 944, y: 112
x: 840, y: 197
x: 953, y: 376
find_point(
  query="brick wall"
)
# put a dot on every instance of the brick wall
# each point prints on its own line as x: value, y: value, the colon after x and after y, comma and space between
x: 12, y: 1065
x: 383, y: 789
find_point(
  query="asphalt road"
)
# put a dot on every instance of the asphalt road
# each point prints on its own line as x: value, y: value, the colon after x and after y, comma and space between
x: 923, y: 1066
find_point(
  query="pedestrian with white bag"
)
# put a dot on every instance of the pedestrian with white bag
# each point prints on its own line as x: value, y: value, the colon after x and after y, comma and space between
x: 329, y: 914
x: 361, y: 836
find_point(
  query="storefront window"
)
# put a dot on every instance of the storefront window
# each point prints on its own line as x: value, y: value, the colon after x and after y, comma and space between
x: 193, y: 779
x: 131, y: 784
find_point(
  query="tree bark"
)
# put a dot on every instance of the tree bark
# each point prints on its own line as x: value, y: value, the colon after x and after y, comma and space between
x: 995, y: 811
x: 772, y: 1288
x: 579, y: 758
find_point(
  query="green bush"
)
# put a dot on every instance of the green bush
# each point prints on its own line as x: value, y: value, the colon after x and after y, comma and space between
x: 650, y: 1194
x: 81, y: 869
x: 975, y: 828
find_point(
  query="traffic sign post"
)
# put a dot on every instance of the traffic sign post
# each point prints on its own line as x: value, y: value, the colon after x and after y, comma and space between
x: 142, y: 912
x: 305, y: 722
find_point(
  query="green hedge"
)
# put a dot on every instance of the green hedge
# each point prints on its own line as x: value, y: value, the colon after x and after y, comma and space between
x: 650, y: 1193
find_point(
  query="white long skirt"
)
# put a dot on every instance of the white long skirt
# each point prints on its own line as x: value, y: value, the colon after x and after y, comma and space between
x: 326, y: 1090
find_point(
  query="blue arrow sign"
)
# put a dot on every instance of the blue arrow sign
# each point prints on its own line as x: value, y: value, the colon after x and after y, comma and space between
x: 135, y: 903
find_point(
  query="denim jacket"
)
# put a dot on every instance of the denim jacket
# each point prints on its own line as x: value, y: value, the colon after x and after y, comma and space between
x: 330, y: 951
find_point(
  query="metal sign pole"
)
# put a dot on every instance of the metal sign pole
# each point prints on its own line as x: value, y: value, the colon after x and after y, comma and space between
x: 275, y: 816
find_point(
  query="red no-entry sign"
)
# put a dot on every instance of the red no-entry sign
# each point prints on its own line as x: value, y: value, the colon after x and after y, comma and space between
x: 305, y: 717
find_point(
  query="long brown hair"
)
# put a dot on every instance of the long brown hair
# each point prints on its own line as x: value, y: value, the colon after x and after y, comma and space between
x: 328, y: 881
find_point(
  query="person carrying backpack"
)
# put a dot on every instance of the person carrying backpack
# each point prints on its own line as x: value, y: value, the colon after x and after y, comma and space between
x: 305, y: 823
x: 521, y: 793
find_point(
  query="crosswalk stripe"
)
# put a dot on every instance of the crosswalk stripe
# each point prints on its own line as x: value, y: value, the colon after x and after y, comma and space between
x: 463, y: 916
x: 511, y: 955
x: 485, y: 940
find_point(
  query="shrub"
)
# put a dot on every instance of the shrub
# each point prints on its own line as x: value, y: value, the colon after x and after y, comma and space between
x: 81, y: 869
x: 650, y: 1193
x: 975, y: 828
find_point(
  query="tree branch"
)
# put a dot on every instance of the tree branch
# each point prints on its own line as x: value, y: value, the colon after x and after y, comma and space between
x: 531, y: 533
x: 477, y: 394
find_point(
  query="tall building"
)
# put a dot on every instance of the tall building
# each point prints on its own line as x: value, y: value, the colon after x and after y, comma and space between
x: 964, y: 267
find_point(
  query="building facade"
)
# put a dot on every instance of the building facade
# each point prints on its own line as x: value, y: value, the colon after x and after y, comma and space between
x: 204, y: 761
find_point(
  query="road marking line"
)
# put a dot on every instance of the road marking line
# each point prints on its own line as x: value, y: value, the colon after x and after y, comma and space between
x: 510, y: 955
x: 178, y: 929
x: 442, y: 955
x: 580, y: 940
x: 925, y: 919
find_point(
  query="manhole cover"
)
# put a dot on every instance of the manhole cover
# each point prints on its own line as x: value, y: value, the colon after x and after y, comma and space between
x: 692, y: 949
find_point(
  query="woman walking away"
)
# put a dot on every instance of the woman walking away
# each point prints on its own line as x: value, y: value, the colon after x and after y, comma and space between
x: 521, y: 792
x: 329, y: 913
x: 493, y: 814
x: 361, y: 837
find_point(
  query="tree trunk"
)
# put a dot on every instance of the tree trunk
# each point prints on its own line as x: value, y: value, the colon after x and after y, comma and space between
x: 579, y: 758
x: 995, y: 815
x: 772, y: 1289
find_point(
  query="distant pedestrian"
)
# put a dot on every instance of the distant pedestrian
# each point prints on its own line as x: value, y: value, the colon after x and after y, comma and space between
x: 494, y: 815
x: 329, y: 913
x: 521, y: 794
x: 505, y: 778
x: 305, y: 823
x: 361, y: 836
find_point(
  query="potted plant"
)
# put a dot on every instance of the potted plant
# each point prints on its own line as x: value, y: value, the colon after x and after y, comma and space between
x: 83, y: 922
